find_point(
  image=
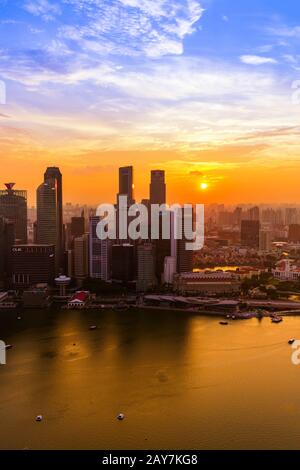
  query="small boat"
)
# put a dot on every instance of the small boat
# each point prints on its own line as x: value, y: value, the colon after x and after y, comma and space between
x: 19, y: 318
x: 8, y: 346
x: 291, y: 341
x: 121, y: 417
x: 224, y: 323
x: 93, y: 327
x: 277, y: 319
x: 39, y: 418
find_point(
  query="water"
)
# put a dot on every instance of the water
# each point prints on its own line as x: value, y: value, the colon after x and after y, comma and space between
x: 182, y: 381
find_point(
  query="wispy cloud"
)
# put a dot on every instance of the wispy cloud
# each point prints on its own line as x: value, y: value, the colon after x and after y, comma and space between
x: 257, y: 60
x: 43, y: 8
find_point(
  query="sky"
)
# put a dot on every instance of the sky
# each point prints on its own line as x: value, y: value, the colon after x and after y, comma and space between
x: 207, y: 90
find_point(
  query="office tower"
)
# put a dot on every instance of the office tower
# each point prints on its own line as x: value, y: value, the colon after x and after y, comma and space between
x: 157, y: 187
x: 53, y: 173
x: 294, y: 233
x: 77, y: 226
x: 95, y: 249
x: 106, y: 260
x: 32, y: 264
x: 7, y: 240
x: 265, y: 240
x: 237, y: 216
x: 47, y: 220
x: 146, y: 279
x: 13, y: 206
x: 250, y: 233
x: 170, y: 267
x: 253, y: 214
x: 100, y: 253
x: 184, y: 257
x: 123, y: 263
x: 291, y: 216
x: 81, y: 258
x: 126, y: 186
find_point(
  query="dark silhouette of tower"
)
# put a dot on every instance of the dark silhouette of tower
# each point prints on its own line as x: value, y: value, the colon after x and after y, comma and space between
x: 158, y: 187
x: 126, y: 186
x: 13, y: 207
x: 53, y: 173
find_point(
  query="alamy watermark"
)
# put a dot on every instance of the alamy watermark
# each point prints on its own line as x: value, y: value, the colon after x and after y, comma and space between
x: 155, y: 222
x: 2, y: 92
x: 2, y: 353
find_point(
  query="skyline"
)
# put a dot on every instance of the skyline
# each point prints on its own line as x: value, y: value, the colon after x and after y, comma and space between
x: 202, y: 90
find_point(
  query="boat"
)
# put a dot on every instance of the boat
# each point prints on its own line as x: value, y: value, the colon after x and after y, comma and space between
x: 8, y: 346
x: 120, y: 417
x: 93, y: 327
x: 224, y: 323
x: 291, y: 341
x: 39, y: 418
x: 276, y: 319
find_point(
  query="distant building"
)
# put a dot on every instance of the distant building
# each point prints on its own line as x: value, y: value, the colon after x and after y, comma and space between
x: 7, y: 240
x: 81, y: 258
x: 126, y: 185
x: 13, y: 207
x: 157, y: 187
x: 206, y: 283
x: 146, y: 279
x: 123, y: 263
x: 250, y: 233
x: 286, y: 271
x: 77, y: 226
x: 100, y: 253
x: 265, y: 240
x: 32, y: 264
x: 170, y: 266
x: 294, y: 233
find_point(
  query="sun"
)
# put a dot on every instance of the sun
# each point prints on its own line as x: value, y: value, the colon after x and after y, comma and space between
x: 204, y: 186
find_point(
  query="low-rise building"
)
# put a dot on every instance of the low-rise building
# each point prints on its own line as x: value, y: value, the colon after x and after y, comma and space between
x: 207, y: 282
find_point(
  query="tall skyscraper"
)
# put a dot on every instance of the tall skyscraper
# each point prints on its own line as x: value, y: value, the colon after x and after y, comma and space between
x: 126, y: 185
x: 250, y: 233
x: 81, y: 258
x: 158, y: 187
x: 100, y: 253
x: 13, y: 206
x: 53, y: 173
x: 47, y: 219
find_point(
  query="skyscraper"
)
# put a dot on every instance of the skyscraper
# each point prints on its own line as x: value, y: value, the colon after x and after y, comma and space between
x: 81, y: 258
x: 47, y: 221
x: 53, y: 173
x: 158, y: 187
x: 250, y: 233
x: 100, y: 253
x: 146, y: 267
x: 13, y: 206
x: 126, y: 186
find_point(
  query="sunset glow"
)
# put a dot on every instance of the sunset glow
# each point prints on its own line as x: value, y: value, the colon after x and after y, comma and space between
x: 205, y: 88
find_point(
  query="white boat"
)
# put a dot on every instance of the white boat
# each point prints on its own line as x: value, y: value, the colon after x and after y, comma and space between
x: 120, y: 417
x: 39, y: 418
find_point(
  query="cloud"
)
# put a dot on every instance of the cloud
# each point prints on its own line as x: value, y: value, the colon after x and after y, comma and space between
x: 43, y: 8
x: 132, y: 27
x: 257, y: 60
